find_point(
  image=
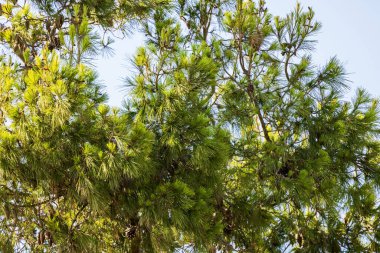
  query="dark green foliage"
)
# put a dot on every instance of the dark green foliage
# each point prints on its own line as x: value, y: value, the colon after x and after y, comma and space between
x: 231, y: 139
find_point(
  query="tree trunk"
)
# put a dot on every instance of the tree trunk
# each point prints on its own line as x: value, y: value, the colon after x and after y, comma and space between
x: 136, y: 242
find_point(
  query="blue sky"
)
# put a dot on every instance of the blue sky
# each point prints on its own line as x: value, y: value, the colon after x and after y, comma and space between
x: 350, y: 30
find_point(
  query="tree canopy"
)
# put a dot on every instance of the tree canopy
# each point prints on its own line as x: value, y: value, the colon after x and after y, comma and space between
x: 230, y: 140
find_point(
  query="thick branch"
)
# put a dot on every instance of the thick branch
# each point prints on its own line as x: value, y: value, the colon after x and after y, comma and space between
x: 257, y: 105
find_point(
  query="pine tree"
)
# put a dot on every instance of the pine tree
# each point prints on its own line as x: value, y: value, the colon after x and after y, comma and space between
x: 303, y: 157
x: 66, y: 157
x: 231, y: 138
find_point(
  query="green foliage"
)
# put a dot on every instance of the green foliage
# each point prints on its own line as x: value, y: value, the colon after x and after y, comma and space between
x: 231, y: 139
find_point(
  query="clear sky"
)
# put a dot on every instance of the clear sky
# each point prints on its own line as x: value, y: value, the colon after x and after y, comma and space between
x: 350, y: 30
